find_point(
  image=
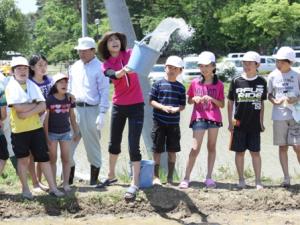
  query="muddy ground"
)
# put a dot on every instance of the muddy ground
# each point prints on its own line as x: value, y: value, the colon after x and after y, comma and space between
x: 224, y: 205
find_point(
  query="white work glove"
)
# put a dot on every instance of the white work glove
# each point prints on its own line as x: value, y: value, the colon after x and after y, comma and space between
x: 100, y: 121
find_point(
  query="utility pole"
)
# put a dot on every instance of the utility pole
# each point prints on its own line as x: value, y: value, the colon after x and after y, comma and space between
x: 119, y: 19
x: 84, y: 18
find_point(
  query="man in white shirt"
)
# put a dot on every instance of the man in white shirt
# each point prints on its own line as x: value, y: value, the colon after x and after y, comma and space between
x: 91, y: 90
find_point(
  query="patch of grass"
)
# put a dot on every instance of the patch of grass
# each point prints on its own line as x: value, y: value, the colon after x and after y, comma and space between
x: 9, y: 177
x: 224, y: 172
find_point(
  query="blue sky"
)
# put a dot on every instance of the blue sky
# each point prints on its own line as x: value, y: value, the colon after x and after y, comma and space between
x: 27, y: 6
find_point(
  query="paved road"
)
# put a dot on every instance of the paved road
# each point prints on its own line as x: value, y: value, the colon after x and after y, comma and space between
x: 225, y: 158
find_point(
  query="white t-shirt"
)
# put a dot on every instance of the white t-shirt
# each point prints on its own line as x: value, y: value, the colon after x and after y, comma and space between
x: 283, y: 85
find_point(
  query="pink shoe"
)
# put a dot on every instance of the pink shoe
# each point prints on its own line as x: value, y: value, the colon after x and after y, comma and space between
x: 210, y: 183
x: 184, y: 184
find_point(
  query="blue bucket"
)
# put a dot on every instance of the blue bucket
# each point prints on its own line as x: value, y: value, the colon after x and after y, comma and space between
x: 142, y: 58
x: 146, y: 173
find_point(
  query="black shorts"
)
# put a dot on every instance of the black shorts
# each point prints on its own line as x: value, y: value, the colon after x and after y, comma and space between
x: 3, y: 148
x: 30, y: 141
x: 165, y: 137
x: 241, y: 141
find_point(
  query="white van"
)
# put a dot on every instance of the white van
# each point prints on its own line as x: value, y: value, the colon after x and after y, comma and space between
x: 191, y: 69
x: 236, y: 55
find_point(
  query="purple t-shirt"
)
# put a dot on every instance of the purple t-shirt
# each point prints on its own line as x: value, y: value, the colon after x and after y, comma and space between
x: 207, y: 111
x: 59, y: 114
x: 45, y: 86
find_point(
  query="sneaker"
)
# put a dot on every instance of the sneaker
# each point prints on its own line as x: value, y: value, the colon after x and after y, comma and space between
x: 241, y: 184
x: 156, y: 181
x: 210, y: 183
x: 286, y: 183
x: 56, y: 193
x: 27, y: 195
x: 67, y: 188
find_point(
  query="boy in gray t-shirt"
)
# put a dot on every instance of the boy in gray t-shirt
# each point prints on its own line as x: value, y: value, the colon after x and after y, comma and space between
x: 284, y: 90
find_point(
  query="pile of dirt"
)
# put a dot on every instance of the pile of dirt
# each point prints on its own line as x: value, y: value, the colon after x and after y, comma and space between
x: 159, y: 200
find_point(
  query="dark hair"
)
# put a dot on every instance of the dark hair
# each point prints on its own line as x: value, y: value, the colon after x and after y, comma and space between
x: 215, y: 77
x: 33, y: 60
x: 284, y: 60
x: 102, y: 44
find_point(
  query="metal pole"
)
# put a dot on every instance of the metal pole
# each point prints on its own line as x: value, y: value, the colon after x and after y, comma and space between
x: 84, y: 18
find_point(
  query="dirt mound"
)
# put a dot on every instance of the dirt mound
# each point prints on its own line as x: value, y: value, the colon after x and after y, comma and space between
x: 162, y: 200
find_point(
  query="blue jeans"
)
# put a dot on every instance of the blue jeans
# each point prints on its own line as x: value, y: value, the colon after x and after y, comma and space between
x: 60, y: 137
x: 135, y: 115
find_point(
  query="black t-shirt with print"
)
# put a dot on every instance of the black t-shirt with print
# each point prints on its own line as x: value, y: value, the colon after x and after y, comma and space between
x: 248, y: 95
x: 59, y: 114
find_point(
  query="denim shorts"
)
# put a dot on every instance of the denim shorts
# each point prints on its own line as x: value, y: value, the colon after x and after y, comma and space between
x: 60, y: 137
x: 204, y: 125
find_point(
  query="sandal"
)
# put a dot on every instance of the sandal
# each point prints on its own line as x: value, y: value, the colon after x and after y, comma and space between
x: 184, y: 184
x: 210, y: 183
x: 107, y: 182
x: 130, y: 194
x: 56, y: 193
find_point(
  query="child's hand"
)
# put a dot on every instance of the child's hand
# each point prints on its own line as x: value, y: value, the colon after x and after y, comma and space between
x: 76, y: 137
x: 197, y: 99
x: 279, y: 101
x: 230, y: 126
x: 292, y: 100
x: 166, y: 108
x: 71, y: 98
x: 175, y: 109
x: 206, y: 98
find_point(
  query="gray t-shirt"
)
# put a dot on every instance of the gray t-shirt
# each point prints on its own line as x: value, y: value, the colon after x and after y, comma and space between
x: 281, y: 85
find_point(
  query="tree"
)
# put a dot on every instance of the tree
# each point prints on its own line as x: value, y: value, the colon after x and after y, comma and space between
x: 13, y: 28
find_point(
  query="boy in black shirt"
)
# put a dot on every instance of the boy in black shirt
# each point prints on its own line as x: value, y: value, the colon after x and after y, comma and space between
x: 247, y: 92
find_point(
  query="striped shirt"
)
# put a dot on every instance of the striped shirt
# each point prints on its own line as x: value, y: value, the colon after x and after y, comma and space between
x: 170, y: 94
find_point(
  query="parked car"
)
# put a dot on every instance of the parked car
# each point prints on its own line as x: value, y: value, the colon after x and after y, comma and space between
x: 267, y: 63
x: 236, y: 55
x: 157, y: 73
x: 191, y: 69
x: 296, y: 66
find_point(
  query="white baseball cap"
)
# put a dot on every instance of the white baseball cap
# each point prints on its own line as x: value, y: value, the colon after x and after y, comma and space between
x: 251, y: 56
x: 85, y: 43
x: 59, y: 76
x: 286, y: 53
x: 174, y: 61
x: 206, y: 58
x: 19, y: 61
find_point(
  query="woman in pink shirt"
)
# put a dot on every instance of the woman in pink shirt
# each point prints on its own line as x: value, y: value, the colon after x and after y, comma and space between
x: 207, y: 95
x: 128, y: 103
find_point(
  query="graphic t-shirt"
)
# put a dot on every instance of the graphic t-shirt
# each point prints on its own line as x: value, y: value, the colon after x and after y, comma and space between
x: 59, y: 114
x: 170, y: 94
x: 206, y: 111
x: 45, y: 86
x: 248, y: 95
x: 283, y: 85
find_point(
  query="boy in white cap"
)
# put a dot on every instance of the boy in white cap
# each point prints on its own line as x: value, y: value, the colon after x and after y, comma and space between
x: 246, y: 95
x: 167, y: 97
x: 284, y: 90
x: 27, y: 137
x: 91, y: 90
